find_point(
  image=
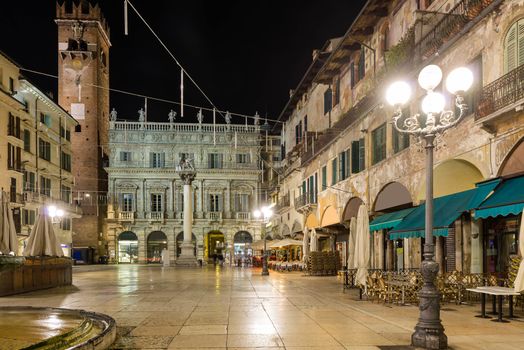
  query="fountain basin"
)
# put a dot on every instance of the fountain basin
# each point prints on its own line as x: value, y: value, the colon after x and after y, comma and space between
x: 54, y: 328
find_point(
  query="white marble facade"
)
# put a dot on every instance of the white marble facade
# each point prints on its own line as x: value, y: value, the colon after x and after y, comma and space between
x: 146, y: 193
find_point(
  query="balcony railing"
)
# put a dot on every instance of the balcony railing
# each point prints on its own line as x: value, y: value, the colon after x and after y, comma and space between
x: 184, y: 127
x: 503, y: 92
x: 305, y: 200
x: 126, y: 216
x: 156, y: 216
x: 17, y: 198
x: 283, y: 203
x: 214, y: 215
x: 174, y: 165
x: 451, y: 24
x: 243, y: 215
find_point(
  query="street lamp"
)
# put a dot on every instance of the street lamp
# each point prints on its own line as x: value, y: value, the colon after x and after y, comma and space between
x: 55, y: 214
x: 265, y: 213
x: 429, y: 332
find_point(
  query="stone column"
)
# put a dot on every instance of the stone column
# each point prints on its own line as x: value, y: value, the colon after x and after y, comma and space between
x: 187, y: 256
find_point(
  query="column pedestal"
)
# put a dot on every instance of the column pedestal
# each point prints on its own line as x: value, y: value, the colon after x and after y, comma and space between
x: 187, y: 256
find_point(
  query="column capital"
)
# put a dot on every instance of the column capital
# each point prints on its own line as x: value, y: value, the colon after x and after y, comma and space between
x: 187, y: 176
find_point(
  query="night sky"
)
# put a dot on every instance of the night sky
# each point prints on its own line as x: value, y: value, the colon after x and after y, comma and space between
x: 245, y: 55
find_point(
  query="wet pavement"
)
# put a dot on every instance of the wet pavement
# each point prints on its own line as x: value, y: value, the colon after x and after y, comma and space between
x: 169, y: 308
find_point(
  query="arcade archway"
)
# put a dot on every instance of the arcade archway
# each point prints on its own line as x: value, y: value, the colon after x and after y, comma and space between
x: 156, y: 243
x: 214, y: 245
x: 127, y: 248
x: 242, y: 244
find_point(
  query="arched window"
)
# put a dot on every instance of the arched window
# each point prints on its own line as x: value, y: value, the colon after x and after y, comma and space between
x: 514, y: 46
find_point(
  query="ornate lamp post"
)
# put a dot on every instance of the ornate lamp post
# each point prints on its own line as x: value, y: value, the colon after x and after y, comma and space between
x: 429, y: 332
x: 265, y: 213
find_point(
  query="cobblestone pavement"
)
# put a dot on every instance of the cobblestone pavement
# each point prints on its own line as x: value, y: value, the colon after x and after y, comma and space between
x: 169, y: 308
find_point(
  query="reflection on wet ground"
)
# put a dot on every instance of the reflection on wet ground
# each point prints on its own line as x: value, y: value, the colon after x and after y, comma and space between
x: 169, y: 308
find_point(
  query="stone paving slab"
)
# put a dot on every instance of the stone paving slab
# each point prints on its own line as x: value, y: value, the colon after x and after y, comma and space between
x: 236, y: 308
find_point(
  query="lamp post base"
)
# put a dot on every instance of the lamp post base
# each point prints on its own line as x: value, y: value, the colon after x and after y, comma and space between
x: 265, y: 271
x: 187, y: 257
x: 429, y: 332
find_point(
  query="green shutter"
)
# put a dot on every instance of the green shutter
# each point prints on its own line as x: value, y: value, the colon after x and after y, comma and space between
x: 510, y: 49
x: 355, y: 168
x: 324, y: 177
x: 333, y: 171
x: 361, y: 154
x: 520, y: 43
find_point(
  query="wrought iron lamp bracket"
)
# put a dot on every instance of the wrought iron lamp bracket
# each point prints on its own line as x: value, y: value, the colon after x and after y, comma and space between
x: 435, y: 123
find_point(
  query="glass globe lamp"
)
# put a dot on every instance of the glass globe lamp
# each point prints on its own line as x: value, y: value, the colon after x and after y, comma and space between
x: 398, y: 93
x: 459, y: 80
x: 429, y: 77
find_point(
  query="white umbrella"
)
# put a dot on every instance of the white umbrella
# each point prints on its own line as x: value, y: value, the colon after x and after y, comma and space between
x: 8, y: 240
x: 305, y: 244
x: 42, y: 239
x: 362, y: 246
x: 351, y: 243
x: 519, y: 280
x: 314, y: 240
x: 285, y: 243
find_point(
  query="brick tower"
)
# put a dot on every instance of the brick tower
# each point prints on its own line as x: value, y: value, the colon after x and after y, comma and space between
x: 83, y: 62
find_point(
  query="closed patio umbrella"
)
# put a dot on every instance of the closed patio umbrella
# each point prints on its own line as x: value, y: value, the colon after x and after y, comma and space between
x: 314, y: 240
x: 305, y: 244
x: 519, y: 280
x: 8, y: 240
x: 351, y: 243
x: 42, y: 240
x: 362, y: 246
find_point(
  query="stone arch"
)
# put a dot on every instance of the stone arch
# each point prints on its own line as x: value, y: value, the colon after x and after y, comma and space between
x: 156, y: 243
x: 513, y: 163
x: 127, y: 236
x: 285, y: 231
x: 392, y: 195
x: 312, y: 221
x: 451, y: 176
x: 243, y: 237
x: 297, y: 227
x: 351, y: 208
x: 329, y: 217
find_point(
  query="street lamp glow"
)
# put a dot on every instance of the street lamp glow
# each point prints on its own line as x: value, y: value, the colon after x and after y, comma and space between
x: 434, y: 103
x: 459, y: 80
x: 257, y: 214
x: 51, y: 211
x: 59, y: 213
x: 429, y: 77
x: 398, y: 93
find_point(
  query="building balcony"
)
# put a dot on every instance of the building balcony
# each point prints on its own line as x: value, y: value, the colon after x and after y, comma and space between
x: 16, y: 199
x: 156, y: 216
x: 305, y: 202
x: 502, y: 95
x: 243, y: 216
x: 283, y: 204
x: 127, y: 216
x: 449, y: 24
x: 214, y: 216
x: 36, y: 199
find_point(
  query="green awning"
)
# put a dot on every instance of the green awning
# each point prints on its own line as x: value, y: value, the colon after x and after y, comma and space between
x: 508, y: 199
x: 446, y: 210
x: 389, y: 220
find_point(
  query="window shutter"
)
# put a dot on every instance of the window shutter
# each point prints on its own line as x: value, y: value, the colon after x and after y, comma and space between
x: 355, y: 168
x: 151, y: 159
x: 510, y: 49
x: 348, y: 170
x: 520, y: 43
x: 334, y: 171
x: 162, y: 160
x: 361, y: 154
x: 352, y: 70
